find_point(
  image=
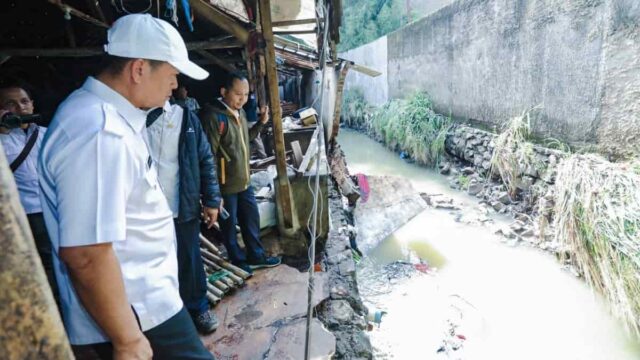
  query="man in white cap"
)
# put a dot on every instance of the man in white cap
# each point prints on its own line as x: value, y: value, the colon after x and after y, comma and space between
x: 111, y: 227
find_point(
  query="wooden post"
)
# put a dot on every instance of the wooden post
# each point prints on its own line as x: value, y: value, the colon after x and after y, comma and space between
x: 30, y: 324
x: 205, y: 10
x: 284, y: 188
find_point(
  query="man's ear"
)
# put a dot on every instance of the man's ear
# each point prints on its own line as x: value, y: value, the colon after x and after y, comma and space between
x: 223, y: 91
x: 137, y: 68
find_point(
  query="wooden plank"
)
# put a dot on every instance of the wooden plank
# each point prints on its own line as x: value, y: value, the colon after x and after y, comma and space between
x: 205, y: 10
x: 294, y: 22
x: 297, y: 153
x: 338, y: 104
x: 284, y: 188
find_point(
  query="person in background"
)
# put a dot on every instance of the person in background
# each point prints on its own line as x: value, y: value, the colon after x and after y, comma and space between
x: 186, y: 171
x: 110, y: 224
x: 225, y: 123
x: 22, y: 146
x: 251, y: 110
x: 180, y: 97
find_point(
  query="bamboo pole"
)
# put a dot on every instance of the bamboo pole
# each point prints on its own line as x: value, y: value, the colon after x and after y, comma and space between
x: 284, y: 188
x: 215, y: 291
x: 30, y: 324
x: 209, y: 245
x: 228, y: 282
x: 212, y: 298
x: 225, y: 264
x: 237, y: 279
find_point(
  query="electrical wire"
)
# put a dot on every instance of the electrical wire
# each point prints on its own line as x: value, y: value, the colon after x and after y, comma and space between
x: 313, y: 227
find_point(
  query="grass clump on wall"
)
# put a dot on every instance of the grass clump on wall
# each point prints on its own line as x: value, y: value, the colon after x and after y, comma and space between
x: 513, y: 152
x: 408, y: 125
x: 597, y: 216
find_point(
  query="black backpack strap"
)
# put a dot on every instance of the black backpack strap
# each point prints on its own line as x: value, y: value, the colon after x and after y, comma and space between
x: 15, y: 164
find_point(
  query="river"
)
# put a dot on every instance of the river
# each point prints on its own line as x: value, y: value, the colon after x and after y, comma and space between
x: 502, y: 302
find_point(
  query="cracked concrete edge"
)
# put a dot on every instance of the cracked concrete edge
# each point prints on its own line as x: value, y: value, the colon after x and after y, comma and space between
x: 343, y: 274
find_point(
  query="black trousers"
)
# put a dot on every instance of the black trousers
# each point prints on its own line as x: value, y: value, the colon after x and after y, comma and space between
x: 43, y: 245
x: 175, y: 338
x: 191, y: 275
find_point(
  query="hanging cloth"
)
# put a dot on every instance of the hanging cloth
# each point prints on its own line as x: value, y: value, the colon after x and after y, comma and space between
x: 187, y: 13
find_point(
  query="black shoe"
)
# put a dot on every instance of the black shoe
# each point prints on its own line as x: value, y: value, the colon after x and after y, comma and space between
x: 206, y: 322
x: 265, y: 262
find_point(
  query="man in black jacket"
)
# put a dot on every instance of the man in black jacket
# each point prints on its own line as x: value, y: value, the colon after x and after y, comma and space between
x: 186, y: 171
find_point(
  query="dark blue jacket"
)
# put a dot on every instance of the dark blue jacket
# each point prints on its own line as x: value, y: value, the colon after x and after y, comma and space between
x: 197, y: 170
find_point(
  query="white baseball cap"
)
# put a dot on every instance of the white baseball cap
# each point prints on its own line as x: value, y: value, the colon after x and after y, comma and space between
x: 141, y: 36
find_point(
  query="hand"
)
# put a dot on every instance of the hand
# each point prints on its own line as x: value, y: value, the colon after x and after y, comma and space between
x: 137, y: 349
x: 210, y: 216
x: 264, y: 114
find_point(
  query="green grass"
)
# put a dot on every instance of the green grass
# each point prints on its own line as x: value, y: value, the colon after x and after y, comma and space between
x: 408, y: 125
x: 464, y: 181
x: 597, y: 216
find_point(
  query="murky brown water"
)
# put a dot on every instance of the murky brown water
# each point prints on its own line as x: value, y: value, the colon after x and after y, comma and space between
x: 509, y: 302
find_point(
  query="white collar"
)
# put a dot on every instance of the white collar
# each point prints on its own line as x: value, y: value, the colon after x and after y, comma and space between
x: 136, y: 118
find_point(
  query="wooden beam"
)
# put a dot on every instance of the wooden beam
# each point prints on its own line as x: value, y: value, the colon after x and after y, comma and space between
x: 216, y: 60
x: 292, y: 44
x: 77, y: 13
x: 345, y: 65
x: 284, y: 187
x: 295, y: 32
x: 97, y: 11
x: 205, y: 10
x: 294, y: 22
x: 94, y: 51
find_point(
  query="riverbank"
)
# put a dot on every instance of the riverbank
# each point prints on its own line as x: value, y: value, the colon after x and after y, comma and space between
x: 530, y: 307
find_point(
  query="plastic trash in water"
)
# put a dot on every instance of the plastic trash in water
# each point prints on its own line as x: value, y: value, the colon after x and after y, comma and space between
x: 375, y: 315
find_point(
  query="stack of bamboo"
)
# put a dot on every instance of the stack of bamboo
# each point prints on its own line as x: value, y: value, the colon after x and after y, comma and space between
x: 222, y: 276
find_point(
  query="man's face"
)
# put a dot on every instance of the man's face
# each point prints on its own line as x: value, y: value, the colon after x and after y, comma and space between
x: 16, y: 100
x: 237, y: 96
x: 155, y: 84
x: 181, y: 93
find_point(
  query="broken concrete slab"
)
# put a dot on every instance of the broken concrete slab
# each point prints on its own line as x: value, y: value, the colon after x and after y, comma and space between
x: 271, y: 300
x: 392, y: 203
x: 290, y: 339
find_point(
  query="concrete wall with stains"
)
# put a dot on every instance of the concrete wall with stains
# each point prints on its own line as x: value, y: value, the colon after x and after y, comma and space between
x: 489, y: 60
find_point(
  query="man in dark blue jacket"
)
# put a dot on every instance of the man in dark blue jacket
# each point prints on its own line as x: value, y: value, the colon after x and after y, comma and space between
x: 187, y: 174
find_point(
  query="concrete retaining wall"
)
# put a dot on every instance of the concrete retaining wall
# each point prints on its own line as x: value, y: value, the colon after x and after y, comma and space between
x: 373, y: 55
x: 488, y: 60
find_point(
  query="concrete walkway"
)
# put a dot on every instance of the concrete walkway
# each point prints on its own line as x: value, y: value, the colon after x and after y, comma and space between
x: 266, y: 318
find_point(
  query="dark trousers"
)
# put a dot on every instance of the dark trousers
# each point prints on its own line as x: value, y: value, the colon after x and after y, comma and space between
x: 191, y: 275
x: 243, y: 211
x: 43, y: 245
x: 175, y: 338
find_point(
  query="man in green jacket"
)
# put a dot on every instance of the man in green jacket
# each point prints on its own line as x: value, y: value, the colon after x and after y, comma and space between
x: 225, y: 123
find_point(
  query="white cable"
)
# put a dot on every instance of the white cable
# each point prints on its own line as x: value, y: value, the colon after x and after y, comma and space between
x: 314, y: 225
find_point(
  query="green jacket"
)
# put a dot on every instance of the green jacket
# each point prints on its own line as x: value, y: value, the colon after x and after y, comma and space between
x: 229, y: 138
